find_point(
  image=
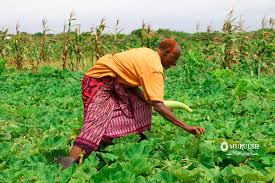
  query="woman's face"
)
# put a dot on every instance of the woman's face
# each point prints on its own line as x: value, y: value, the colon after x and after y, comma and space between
x: 170, y: 57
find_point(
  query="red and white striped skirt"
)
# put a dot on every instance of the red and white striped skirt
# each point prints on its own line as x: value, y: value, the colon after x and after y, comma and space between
x: 110, y: 111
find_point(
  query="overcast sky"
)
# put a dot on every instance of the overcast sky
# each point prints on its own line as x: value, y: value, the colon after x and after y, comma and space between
x: 181, y: 15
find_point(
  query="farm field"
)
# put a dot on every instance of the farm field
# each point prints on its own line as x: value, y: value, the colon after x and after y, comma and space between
x: 227, y: 78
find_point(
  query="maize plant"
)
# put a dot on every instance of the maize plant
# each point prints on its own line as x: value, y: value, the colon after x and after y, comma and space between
x: 43, y: 56
x: 76, y: 49
x: 97, y: 41
x: 18, y: 48
x: 33, y: 54
x: 67, y: 49
x: 147, y: 36
x: 230, y: 39
x: 117, y: 39
x: 4, y: 38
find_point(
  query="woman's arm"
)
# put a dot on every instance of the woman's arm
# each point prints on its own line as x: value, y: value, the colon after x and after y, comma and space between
x: 168, y: 114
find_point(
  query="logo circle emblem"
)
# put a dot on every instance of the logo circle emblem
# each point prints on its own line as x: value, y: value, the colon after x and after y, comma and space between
x: 224, y: 146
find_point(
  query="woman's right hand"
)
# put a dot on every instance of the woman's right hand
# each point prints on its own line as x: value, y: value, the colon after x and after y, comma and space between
x: 195, y: 130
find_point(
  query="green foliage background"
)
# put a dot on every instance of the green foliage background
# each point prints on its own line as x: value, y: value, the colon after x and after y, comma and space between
x: 41, y: 113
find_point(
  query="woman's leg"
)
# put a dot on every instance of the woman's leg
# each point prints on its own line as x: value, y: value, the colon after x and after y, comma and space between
x: 75, y: 152
x: 90, y: 87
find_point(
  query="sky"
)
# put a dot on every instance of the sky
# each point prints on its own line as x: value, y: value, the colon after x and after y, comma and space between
x: 179, y: 15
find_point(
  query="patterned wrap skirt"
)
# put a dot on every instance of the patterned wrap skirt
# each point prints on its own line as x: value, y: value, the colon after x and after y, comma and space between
x: 110, y: 111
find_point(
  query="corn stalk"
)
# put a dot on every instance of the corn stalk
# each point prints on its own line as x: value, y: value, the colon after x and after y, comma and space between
x: 18, y: 48
x: 147, y: 36
x: 33, y: 53
x: 3, y: 42
x: 97, y: 41
x: 67, y: 50
x: 230, y: 39
x: 43, y: 54
x: 76, y: 49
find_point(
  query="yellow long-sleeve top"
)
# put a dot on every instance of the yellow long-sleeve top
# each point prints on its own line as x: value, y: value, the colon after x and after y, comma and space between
x: 135, y: 67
